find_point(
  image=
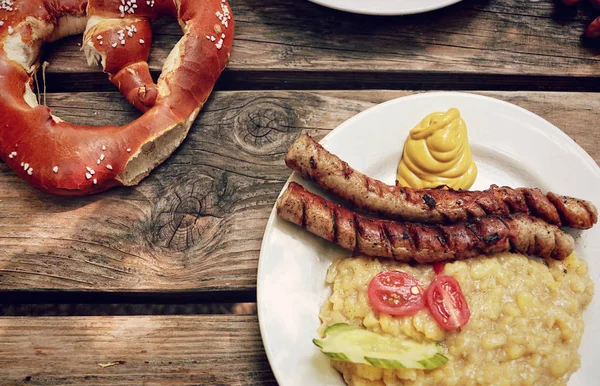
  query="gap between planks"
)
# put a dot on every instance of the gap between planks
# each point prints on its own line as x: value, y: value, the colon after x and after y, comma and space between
x: 119, y: 309
x: 236, y: 80
x: 26, y: 302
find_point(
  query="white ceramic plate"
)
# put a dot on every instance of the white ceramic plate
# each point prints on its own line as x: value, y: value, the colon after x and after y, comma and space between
x: 511, y: 146
x: 386, y: 7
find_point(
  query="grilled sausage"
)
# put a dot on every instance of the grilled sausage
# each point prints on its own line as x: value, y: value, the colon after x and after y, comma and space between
x: 408, y: 242
x: 433, y: 206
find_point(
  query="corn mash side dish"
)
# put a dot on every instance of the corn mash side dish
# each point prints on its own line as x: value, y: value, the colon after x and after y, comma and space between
x: 525, y: 327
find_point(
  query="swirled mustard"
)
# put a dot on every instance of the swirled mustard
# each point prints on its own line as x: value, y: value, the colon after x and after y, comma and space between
x: 437, y: 153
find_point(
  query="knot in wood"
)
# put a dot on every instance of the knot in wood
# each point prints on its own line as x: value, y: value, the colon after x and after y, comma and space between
x: 263, y: 125
x: 187, y: 211
x: 186, y: 217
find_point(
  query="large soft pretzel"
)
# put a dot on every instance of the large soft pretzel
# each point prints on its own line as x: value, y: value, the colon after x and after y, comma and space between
x: 66, y: 159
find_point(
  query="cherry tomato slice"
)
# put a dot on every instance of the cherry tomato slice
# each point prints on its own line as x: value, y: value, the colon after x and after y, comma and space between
x: 447, y: 303
x: 438, y: 268
x: 396, y: 293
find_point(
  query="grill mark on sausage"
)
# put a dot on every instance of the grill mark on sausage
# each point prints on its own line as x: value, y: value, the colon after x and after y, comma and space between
x: 303, y: 204
x: 411, y: 241
x: 441, y: 236
x: 446, y: 219
x: 390, y: 239
x: 484, y: 208
x: 471, y: 215
x: 512, y: 244
x: 356, y: 233
x: 415, y: 237
x: 561, y: 213
x: 492, y: 238
x: 473, y: 230
x: 448, y: 239
x: 429, y: 201
x: 503, y: 222
x: 335, y: 225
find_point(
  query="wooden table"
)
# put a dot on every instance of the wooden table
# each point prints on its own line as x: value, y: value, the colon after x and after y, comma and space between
x: 191, y: 232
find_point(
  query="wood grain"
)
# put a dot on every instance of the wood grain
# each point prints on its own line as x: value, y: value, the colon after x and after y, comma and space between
x: 297, y: 44
x: 174, y: 350
x: 196, y: 224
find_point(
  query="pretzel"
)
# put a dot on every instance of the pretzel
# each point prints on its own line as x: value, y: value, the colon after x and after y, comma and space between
x: 67, y: 159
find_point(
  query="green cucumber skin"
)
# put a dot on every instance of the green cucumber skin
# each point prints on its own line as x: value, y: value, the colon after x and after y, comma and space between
x: 338, y: 327
x: 436, y: 361
x: 332, y: 330
x: 318, y: 343
x: 399, y: 349
x: 385, y: 363
x: 337, y: 355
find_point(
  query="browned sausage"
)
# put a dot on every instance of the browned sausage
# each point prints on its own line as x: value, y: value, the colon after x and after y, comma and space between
x: 408, y: 242
x: 433, y: 206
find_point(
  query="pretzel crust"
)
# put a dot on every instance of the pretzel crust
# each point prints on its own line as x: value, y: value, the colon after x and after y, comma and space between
x: 67, y: 159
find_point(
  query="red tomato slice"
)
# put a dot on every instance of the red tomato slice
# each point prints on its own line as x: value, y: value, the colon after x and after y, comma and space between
x: 438, y: 267
x: 396, y: 293
x: 447, y: 303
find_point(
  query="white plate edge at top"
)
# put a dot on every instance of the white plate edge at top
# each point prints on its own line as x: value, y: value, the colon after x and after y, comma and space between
x: 382, y: 7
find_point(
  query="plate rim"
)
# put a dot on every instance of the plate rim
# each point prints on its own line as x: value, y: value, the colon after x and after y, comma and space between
x: 571, y: 144
x: 390, y: 12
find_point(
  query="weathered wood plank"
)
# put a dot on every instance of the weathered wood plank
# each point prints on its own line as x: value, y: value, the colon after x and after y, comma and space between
x: 174, y: 350
x: 297, y: 44
x: 197, y: 222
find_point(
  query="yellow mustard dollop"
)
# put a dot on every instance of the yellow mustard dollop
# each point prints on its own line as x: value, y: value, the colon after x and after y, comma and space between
x: 437, y: 152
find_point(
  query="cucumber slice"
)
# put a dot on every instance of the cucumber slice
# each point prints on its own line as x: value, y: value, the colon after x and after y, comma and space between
x: 352, y: 344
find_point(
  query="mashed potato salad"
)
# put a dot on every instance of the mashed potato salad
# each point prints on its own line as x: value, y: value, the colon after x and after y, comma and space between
x: 525, y: 321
